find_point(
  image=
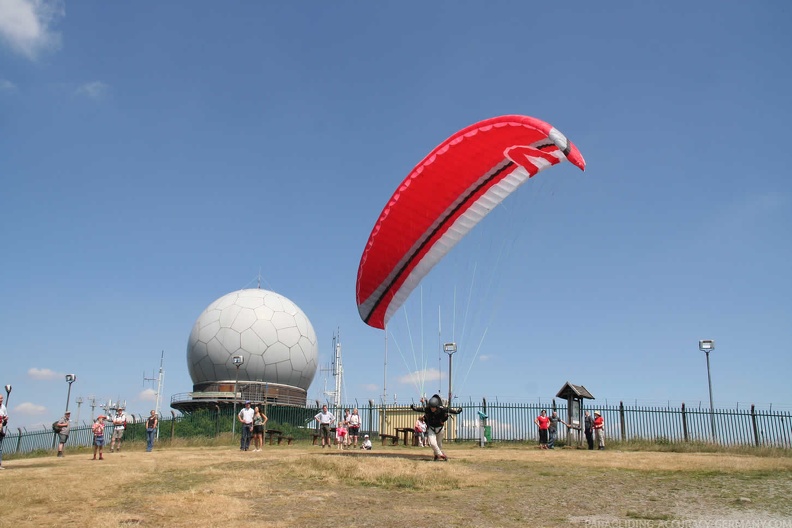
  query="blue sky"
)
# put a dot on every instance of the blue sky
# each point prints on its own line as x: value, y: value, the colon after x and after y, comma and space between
x: 156, y: 157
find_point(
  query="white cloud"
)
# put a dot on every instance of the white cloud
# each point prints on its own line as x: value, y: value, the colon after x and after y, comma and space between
x: 485, y: 357
x: 29, y: 409
x: 420, y: 376
x: 26, y: 25
x: 371, y: 387
x: 148, y: 395
x: 7, y: 86
x: 43, y: 374
x: 93, y: 89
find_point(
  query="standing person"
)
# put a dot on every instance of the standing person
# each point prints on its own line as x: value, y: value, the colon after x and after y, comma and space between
x: 544, y: 424
x: 97, y: 429
x: 3, y: 424
x: 341, y: 435
x: 259, y: 422
x: 345, y: 424
x: 599, y: 430
x: 245, y: 417
x: 325, y: 419
x: 119, y: 426
x: 354, y: 427
x: 435, y: 416
x: 63, y: 431
x: 588, y: 424
x: 419, y: 430
x: 151, y: 430
x: 553, y: 429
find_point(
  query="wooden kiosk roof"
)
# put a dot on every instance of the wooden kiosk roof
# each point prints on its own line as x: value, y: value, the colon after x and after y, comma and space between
x: 577, y: 392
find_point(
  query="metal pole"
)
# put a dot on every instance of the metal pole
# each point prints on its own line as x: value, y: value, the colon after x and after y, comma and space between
x: 712, y: 407
x: 234, y: 417
x: 68, y: 396
x: 449, y: 378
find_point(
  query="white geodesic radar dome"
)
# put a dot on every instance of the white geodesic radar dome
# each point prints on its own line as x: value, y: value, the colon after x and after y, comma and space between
x: 270, y: 331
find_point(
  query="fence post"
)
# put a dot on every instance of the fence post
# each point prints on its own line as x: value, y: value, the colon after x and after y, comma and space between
x: 621, y: 421
x: 217, y: 421
x: 173, y: 424
x: 753, y: 422
x: 19, y: 439
x: 684, y: 422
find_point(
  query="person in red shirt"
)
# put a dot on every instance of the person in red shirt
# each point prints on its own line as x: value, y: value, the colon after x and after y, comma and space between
x: 544, y: 424
x: 599, y: 429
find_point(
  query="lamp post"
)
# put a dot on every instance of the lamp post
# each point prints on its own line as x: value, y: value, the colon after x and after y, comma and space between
x: 70, y: 378
x: 707, y: 346
x: 237, y: 360
x: 8, y: 394
x: 449, y: 348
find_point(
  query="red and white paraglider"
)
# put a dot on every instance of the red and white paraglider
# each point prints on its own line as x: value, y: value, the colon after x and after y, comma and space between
x: 444, y: 197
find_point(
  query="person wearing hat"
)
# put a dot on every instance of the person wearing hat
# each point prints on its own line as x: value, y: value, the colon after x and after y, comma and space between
x: 435, y: 416
x: 366, y: 443
x: 63, y: 431
x: 245, y: 417
x: 119, y: 426
x: 599, y: 429
x: 97, y: 429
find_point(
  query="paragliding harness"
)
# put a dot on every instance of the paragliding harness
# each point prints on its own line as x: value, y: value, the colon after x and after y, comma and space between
x: 56, y: 427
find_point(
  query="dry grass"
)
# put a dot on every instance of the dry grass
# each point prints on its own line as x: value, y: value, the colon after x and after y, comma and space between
x: 396, y: 486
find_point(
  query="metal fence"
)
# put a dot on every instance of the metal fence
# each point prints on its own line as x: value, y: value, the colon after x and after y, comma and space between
x: 507, y: 422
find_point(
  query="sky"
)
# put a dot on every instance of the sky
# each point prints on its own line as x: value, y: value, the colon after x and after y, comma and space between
x: 157, y: 156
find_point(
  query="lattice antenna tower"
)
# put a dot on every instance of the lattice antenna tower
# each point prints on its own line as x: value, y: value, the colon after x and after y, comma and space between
x: 337, y: 368
x: 160, y: 379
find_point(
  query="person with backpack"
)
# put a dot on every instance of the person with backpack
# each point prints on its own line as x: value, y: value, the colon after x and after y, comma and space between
x: 62, y: 430
x: 119, y: 426
x: 435, y: 416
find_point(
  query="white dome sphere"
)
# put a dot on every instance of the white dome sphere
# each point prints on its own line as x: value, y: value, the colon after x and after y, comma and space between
x: 271, y: 332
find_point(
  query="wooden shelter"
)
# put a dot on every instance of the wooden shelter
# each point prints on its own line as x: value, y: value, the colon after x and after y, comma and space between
x: 574, y: 395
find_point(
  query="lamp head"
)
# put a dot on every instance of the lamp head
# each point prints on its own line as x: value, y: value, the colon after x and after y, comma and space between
x: 449, y: 348
x: 706, y: 345
x: 71, y: 378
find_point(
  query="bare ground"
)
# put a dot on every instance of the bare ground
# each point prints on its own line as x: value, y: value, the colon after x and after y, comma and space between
x: 302, y: 485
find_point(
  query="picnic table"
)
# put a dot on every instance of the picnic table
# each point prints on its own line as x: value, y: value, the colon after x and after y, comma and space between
x: 404, y: 432
x: 274, y: 434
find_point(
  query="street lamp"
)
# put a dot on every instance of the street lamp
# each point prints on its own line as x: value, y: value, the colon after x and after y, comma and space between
x: 449, y: 348
x: 707, y: 346
x: 8, y: 394
x: 237, y: 360
x: 70, y: 378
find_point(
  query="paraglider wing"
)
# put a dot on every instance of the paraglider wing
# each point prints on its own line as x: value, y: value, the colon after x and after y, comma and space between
x: 444, y: 197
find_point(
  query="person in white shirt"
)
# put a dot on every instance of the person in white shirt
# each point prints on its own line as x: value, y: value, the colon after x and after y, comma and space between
x: 119, y: 426
x: 366, y: 443
x: 354, y: 427
x: 3, y: 423
x: 325, y: 419
x: 245, y: 416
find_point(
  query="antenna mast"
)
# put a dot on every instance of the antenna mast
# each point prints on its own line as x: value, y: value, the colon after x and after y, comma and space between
x: 337, y: 370
x: 160, y: 379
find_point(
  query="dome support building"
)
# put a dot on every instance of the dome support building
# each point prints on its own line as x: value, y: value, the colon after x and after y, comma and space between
x: 274, y: 337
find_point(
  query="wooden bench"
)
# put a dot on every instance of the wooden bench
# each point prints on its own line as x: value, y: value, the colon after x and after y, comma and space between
x: 393, y: 438
x: 272, y: 434
x: 288, y: 439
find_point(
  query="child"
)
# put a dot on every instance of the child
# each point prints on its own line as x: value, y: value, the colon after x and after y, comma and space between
x: 366, y: 443
x: 341, y: 433
x: 97, y: 429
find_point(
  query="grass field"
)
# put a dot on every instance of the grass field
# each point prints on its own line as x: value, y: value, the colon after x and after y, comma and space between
x: 303, y: 485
